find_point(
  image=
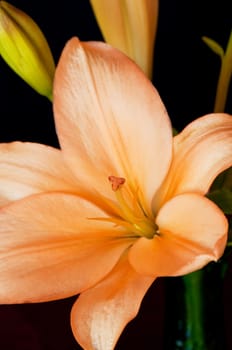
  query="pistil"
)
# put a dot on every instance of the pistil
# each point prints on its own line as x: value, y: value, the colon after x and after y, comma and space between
x: 140, y: 224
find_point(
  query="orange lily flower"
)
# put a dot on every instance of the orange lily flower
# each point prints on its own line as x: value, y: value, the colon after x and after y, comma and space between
x: 130, y: 26
x: 120, y: 204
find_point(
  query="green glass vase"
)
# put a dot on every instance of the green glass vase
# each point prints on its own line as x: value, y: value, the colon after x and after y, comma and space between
x: 194, y: 310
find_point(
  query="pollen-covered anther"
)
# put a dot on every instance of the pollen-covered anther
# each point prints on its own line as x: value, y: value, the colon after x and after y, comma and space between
x: 116, y: 182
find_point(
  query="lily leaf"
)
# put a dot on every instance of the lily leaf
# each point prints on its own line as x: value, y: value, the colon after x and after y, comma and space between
x: 223, y: 198
x: 214, y: 46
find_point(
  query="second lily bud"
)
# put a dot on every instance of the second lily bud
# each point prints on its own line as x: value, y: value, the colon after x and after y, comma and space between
x: 130, y: 26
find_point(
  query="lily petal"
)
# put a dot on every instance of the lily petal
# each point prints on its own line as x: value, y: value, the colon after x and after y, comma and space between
x: 29, y: 168
x: 192, y: 232
x: 51, y: 247
x: 201, y: 152
x: 100, y: 314
x: 119, y: 124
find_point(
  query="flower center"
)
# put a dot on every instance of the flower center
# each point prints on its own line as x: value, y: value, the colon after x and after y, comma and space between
x: 132, y: 214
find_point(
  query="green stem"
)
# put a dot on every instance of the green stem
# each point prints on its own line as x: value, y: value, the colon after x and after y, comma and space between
x: 49, y: 94
x: 224, y: 78
x: 194, y: 311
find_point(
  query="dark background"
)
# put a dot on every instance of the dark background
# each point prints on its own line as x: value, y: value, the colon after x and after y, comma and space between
x: 185, y: 74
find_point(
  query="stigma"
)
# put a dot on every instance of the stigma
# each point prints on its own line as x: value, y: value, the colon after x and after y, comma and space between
x: 116, y: 182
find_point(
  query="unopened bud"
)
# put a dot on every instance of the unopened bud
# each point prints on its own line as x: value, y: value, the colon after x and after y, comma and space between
x: 25, y: 49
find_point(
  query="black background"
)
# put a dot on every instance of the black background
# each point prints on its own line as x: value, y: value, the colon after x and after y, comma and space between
x: 185, y: 74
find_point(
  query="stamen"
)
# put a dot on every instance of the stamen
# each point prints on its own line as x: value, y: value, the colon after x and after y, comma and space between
x: 116, y: 182
x: 139, y: 222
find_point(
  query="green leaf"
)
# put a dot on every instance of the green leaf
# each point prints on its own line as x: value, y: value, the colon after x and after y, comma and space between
x: 214, y: 46
x: 223, y: 180
x: 223, y: 198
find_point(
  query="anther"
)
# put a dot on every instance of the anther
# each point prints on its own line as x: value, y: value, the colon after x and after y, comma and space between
x: 116, y: 182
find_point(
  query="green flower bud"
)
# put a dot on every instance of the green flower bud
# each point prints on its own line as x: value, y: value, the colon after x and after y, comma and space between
x: 25, y: 49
